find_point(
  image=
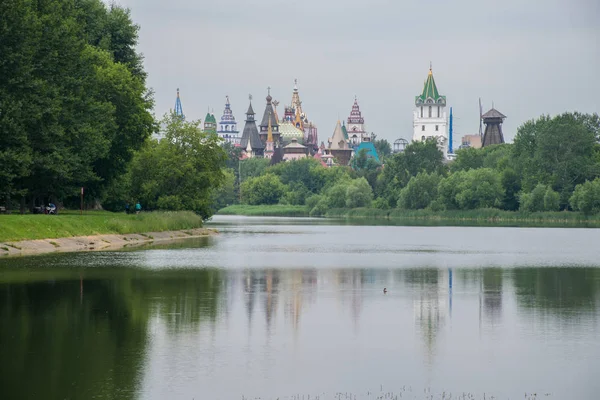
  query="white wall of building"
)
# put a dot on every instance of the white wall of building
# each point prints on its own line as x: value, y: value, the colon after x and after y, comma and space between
x: 425, y: 126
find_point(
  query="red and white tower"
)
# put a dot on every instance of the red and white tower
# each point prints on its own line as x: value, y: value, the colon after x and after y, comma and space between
x: 356, y: 126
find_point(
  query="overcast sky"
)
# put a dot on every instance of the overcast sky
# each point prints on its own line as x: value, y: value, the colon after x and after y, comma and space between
x: 530, y: 57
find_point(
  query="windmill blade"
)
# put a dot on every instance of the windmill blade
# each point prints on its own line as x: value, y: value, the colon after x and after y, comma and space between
x: 480, y: 118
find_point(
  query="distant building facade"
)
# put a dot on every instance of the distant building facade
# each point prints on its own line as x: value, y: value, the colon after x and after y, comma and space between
x: 470, y: 141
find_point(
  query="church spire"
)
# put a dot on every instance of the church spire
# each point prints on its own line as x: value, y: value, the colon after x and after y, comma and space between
x: 178, y: 108
x: 269, y: 118
x: 270, y: 132
x: 269, y: 145
x: 296, y: 103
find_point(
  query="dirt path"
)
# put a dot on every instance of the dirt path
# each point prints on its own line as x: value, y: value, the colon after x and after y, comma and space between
x: 97, y: 242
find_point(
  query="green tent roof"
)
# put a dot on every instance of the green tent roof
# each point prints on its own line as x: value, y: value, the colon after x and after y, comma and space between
x: 344, y: 131
x: 430, y: 90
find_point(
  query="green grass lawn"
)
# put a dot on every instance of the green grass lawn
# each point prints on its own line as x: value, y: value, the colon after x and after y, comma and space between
x: 68, y: 224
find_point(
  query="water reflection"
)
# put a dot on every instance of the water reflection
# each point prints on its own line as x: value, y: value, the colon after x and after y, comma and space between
x: 96, y: 332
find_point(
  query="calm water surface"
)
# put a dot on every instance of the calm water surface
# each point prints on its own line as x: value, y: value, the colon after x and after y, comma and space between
x: 276, y: 308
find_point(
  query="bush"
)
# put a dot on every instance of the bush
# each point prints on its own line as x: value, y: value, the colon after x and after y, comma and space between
x: 381, y: 203
x: 586, y: 197
x: 265, y: 189
x: 541, y: 198
x: 313, y: 200
x: 359, y: 194
x: 296, y: 194
x: 475, y: 188
x: 336, y: 195
x: 319, y: 209
x: 420, y: 191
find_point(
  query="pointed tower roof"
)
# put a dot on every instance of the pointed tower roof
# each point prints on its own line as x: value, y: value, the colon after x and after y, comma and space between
x: 355, y: 115
x: 178, y: 108
x: 296, y: 103
x: 493, y: 113
x: 430, y: 91
x: 338, y: 142
x: 250, y: 137
x: 344, y: 131
x: 269, y: 114
x: 227, y: 119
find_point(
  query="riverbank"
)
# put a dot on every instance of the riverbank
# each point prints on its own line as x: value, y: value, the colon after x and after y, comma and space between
x: 487, y: 217
x: 94, y: 230
x: 69, y: 224
x: 275, y: 210
x: 98, y: 242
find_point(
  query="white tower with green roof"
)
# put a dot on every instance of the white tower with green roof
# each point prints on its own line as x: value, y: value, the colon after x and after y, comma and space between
x: 429, y: 118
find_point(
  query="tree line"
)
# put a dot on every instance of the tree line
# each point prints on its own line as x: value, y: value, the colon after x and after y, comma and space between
x: 75, y: 113
x: 553, y: 164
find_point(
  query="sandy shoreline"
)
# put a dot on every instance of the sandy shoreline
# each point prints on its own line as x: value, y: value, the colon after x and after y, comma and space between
x: 97, y: 242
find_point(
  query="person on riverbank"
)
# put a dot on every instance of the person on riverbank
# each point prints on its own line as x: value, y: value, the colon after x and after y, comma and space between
x: 127, y: 210
x: 138, y: 207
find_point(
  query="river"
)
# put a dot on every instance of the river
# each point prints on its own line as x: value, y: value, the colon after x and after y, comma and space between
x: 277, y: 308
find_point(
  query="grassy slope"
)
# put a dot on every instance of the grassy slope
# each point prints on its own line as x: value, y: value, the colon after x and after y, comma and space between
x: 24, y: 227
x: 275, y: 210
x: 490, y: 217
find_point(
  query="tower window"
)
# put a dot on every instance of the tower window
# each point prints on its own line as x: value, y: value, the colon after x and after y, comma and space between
x: 423, y: 127
x: 421, y: 111
x: 429, y: 111
x: 423, y: 138
x: 438, y: 111
x: 437, y: 128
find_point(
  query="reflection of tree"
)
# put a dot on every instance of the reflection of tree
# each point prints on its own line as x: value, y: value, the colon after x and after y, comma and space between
x: 55, y: 346
x: 564, y: 291
x: 184, y: 298
x: 67, y: 338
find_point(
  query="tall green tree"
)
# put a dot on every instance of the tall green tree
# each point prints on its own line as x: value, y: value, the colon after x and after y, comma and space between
x: 181, y: 171
x: 559, y: 151
x: 383, y: 147
x: 417, y: 157
x: 72, y: 112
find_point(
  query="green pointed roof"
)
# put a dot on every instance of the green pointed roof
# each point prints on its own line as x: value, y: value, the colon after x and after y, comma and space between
x: 430, y: 91
x: 210, y: 118
x: 344, y: 131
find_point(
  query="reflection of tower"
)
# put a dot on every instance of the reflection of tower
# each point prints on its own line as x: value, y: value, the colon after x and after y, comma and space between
x: 429, y: 305
x: 294, y: 304
x: 249, y: 294
x: 492, y: 294
x: 450, y: 292
x: 271, y: 291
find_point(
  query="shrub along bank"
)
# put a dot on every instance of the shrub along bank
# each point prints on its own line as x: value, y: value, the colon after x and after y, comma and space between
x: 29, y: 227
